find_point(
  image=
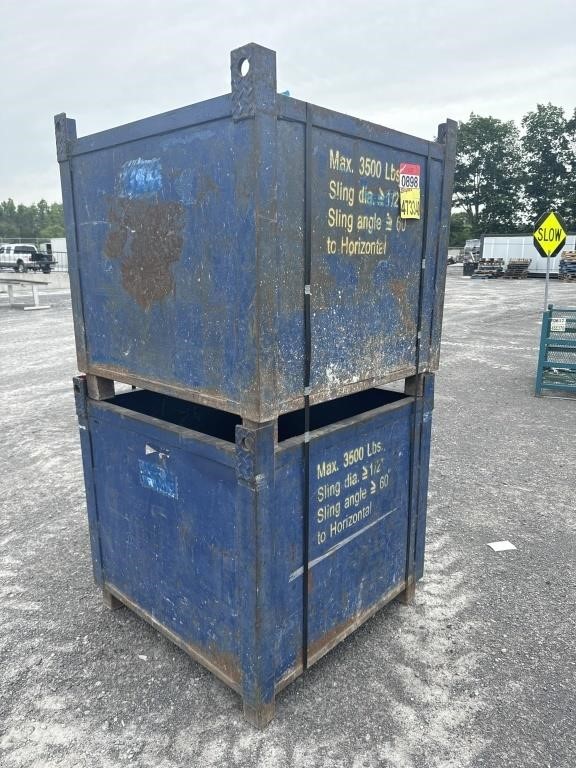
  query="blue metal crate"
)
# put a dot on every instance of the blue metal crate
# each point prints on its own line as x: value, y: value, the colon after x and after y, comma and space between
x: 197, y: 523
x: 244, y: 263
x: 187, y: 235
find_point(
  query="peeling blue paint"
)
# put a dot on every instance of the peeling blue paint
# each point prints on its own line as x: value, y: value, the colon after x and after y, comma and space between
x: 158, y: 479
x: 140, y: 178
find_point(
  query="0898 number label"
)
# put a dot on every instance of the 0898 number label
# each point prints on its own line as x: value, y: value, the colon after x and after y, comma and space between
x: 409, y: 181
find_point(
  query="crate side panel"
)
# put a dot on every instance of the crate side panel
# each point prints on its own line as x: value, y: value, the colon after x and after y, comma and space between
x: 167, y: 258
x: 365, y: 305
x: 366, y: 262
x: 358, y: 520
x: 169, y: 534
x: 357, y: 529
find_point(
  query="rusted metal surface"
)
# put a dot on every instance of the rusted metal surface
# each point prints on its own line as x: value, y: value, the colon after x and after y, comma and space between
x: 213, y: 400
x: 99, y: 388
x: 336, y: 634
x: 146, y: 237
x: 224, y: 666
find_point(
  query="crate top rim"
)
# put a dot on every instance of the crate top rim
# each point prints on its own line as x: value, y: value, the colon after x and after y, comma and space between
x: 221, y: 108
x: 107, y: 408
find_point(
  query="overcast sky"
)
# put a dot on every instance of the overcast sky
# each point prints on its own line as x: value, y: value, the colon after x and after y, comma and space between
x: 407, y: 64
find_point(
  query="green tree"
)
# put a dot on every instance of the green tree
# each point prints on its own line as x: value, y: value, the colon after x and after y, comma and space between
x: 54, y: 222
x: 26, y: 218
x: 570, y: 203
x: 51, y: 230
x: 31, y: 221
x: 460, y: 229
x: 8, y: 224
x: 549, y: 159
x: 488, y: 175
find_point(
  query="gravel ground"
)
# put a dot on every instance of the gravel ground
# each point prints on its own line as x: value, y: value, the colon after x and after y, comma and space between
x: 480, y: 674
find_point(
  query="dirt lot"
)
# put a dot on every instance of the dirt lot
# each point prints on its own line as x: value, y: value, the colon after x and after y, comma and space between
x: 481, y: 673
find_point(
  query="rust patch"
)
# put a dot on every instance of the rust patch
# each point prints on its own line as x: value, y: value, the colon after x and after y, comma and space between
x: 146, y: 237
x: 334, y: 635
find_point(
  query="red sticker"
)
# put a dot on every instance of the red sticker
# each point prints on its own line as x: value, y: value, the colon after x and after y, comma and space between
x: 410, y: 169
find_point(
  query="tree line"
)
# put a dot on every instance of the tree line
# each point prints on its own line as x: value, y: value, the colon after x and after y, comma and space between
x: 505, y: 177
x: 39, y: 220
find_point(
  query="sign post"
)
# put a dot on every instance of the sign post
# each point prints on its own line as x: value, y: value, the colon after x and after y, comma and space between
x: 549, y: 239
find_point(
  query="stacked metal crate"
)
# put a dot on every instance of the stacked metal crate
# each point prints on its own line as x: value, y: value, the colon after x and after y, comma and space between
x: 251, y: 266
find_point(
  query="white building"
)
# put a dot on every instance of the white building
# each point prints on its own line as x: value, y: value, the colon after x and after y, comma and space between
x: 522, y: 247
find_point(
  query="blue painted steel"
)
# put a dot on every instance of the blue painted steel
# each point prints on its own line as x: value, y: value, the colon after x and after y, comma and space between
x: 185, y: 236
x: 196, y: 522
x: 557, y: 355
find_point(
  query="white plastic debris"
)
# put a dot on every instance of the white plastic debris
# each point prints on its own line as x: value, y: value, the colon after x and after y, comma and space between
x: 501, y: 546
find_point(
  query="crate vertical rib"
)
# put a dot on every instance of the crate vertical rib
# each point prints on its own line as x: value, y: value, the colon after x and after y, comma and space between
x: 65, y: 129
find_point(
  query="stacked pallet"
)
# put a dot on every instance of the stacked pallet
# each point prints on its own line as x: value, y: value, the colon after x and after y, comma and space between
x: 567, y: 269
x: 488, y: 268
x: 517, y: 269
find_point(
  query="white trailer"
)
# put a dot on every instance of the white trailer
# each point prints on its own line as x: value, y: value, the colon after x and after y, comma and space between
x: 56, y: 247
x: 522, y: 247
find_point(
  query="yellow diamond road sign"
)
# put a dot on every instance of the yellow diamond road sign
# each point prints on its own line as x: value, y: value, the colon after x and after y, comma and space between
x: 549, y: 234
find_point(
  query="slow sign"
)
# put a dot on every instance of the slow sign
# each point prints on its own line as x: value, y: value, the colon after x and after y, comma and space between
x: 549, y: 234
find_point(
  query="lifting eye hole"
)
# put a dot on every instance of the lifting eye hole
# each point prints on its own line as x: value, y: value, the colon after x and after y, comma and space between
x: 243, y: 67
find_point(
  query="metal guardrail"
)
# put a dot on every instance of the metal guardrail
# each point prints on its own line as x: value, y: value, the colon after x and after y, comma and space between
x: 61, y: 258
x: 557, y: 357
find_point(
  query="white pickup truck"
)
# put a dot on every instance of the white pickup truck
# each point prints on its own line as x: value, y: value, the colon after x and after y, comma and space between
x: 22, y: 257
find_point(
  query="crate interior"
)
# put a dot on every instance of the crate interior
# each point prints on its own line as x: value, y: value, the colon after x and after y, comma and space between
x: 222, y: 425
